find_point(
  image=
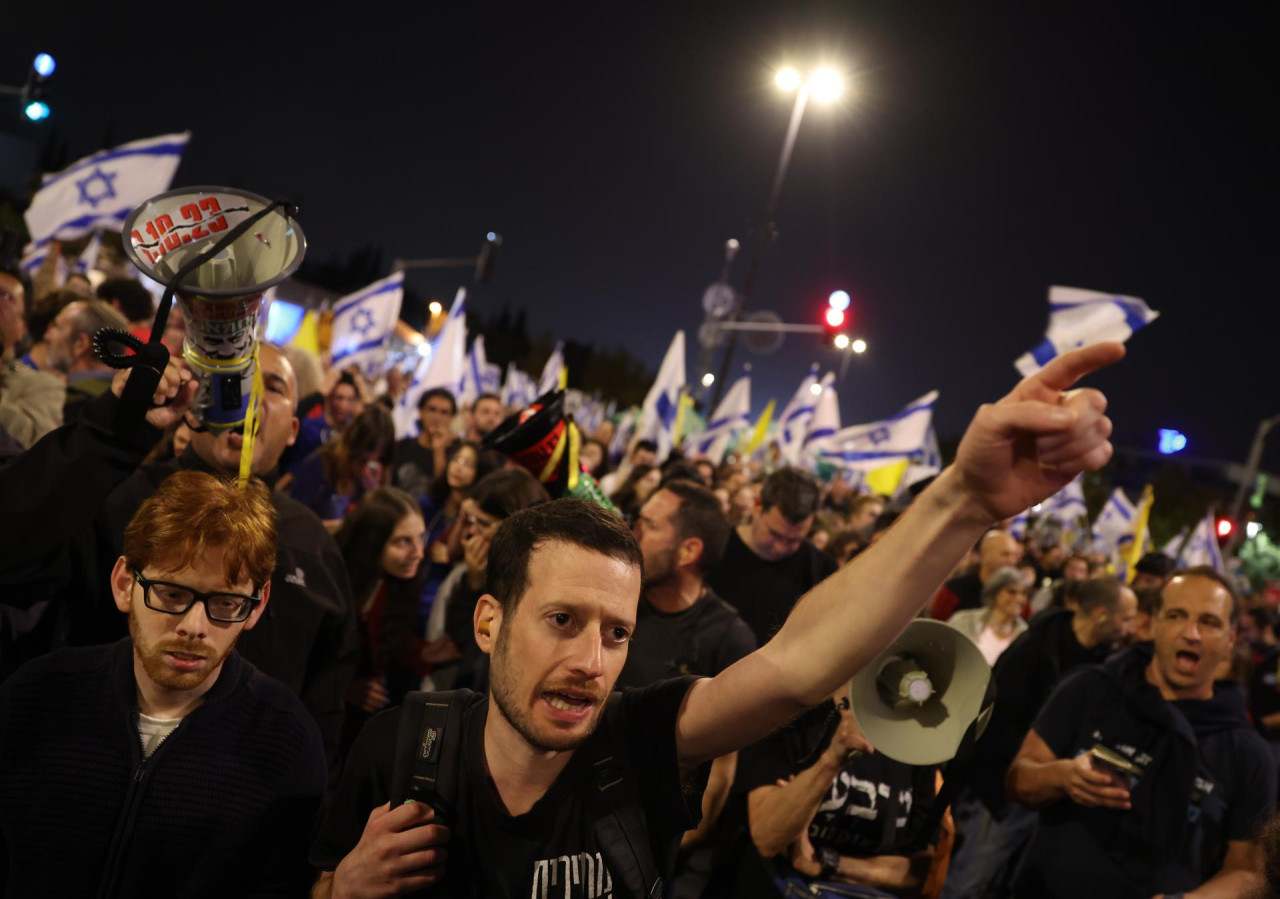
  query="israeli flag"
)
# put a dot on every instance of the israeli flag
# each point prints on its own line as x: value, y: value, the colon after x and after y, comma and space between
x: 480, y: 376
x: 363, y: 323
x: 823, y: 425
x: 1114, y: 521
x: 99, y: 191
x: 662, y: 402
x: 925, y: 464
x: 1067, y: 505
x: 622, y: 434
x: 1018, y: 524
x: 1079, y: 318
x: 518, y: 389
x: 1202, y: 548
x: 550, y: 379
x: 445, y: 367
x: 793, y: 423
x: 88, y: 260
x: 871, y: 446
x: 732, y: 417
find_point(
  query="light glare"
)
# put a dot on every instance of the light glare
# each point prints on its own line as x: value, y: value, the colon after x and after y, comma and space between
x: 788, y: 79
x: 842, y: 341
x: 859, y: 346
x: 835, y: 317
x: 37, y: 110
x: 827, y: 85
x: 708, y: 379
x: 839, y: 299
x: 1253, y: 529
x: 44, y: 65
x: 435, y: 308
x: 815, y: 389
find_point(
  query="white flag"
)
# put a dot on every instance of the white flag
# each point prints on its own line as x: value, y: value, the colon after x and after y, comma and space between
x: 871, y: 446
x: 1202, y: 547
x: 444, y: 368
x: 550, y: 379
x: 1079, y: 318
x: 662, y: 402
x: 824, y: 424
x: 793, y: 423
x: 731, y: 417
x: 363, y: 323
x: 100, y: 191
x: 1114, y: 521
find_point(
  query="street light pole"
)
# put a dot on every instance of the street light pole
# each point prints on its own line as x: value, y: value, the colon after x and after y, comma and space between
x: 1247, y: 477
x: 765, y: 237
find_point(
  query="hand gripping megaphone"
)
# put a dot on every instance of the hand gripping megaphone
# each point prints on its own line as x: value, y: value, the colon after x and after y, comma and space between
x: 217, y: 249
x: 925, y: 696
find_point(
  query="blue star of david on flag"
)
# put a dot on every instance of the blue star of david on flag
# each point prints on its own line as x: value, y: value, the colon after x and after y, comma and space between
x: 105, y: 190
x: 879, y: 436
x: 362, y: 322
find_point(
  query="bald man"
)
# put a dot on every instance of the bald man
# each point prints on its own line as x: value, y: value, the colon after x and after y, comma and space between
x: 996, y: 550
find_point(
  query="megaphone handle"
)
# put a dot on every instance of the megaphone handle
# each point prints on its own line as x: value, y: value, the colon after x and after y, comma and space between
x: 139, y: 391
x: 960, y: 767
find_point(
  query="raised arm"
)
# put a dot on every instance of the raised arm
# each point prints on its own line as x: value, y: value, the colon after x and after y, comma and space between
x: 1015, y: 453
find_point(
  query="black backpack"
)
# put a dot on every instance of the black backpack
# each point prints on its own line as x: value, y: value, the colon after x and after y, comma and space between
x: 429, y: 758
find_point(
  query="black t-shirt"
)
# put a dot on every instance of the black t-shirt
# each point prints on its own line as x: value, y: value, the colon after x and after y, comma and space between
x: 704, y: 639
x: 764, y: 592
x: 550, y: 849
x: 874, y: 806
x: 415, y: 467
x: 1077, y: 851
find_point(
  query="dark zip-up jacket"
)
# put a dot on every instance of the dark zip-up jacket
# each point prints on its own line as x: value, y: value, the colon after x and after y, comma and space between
x: 225, y: 806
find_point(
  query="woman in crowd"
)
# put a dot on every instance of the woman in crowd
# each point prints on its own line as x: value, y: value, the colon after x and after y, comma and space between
x: 639, y: 485
x: 595, y: 458
x: 382, y: 544
x: 999, y: 622
x: 491, y: 501
x: 333, y: 479
x: 465, y: 465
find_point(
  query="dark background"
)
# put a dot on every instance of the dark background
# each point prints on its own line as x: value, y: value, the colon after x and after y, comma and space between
x: 983, y: 152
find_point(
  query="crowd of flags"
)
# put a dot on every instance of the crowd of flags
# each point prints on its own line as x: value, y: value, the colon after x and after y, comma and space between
x: 98, y: 192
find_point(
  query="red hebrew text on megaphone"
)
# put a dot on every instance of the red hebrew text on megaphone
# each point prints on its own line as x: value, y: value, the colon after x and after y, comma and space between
x: 222, y: 296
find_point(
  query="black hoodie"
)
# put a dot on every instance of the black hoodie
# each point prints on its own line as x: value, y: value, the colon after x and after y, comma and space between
x: 1208, y: 779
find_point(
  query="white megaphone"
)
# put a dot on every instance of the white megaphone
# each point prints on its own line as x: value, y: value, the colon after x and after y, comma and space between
x: 222, y: 296
x: 916, y: 701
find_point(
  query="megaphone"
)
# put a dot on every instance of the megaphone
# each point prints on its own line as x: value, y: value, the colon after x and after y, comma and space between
x: 222, y: 296
x: 916, y: 701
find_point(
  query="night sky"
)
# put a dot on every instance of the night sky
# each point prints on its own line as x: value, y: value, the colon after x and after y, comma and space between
x: 984, y: 152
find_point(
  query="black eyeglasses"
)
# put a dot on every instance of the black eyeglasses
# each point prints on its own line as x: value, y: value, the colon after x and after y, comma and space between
x: 177, y: 599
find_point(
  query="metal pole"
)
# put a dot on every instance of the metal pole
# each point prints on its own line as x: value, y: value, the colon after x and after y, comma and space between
x: 764, y: 237
x: 1247, y: 477
x: 709, y: 351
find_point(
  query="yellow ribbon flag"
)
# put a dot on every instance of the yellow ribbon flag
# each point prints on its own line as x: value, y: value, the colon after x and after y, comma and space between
x: 884, y: 480
x: 686, y: 403
x: 563, y: 380
x: 760, y: 431
x: 1140, y: 536
x: 308, y: 336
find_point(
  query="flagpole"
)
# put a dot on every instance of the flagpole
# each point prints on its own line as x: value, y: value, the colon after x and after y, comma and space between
x: 764, y: 238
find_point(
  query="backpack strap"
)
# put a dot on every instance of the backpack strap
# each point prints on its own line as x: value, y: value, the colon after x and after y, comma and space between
x: 429, y: 751
x: 615, y: 807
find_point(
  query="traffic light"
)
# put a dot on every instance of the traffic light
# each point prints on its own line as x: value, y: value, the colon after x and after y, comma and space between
x: 835, y: 318
x: 1225, y: 527
x: 488, y: 255
x: 34, y: 106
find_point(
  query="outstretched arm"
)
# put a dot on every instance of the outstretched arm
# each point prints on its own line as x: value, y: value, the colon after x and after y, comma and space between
x: 1015, y: 453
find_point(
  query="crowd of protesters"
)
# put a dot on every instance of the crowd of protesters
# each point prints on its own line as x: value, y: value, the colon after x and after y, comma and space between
x: 197, y: 678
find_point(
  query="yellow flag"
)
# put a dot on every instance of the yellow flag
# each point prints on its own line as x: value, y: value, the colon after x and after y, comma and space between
x: 1140, y: 537
x: 761, y: 429
x: 308, y: 336
x: 563, y: 380
x: 884, y: 480
x: 686, y: 403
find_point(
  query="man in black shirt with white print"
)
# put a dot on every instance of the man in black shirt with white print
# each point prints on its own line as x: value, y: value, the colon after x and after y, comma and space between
x: 565, y: 583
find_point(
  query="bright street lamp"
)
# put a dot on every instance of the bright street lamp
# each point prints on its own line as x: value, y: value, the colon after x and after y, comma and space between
x: 858, y: 346
x: 708, y: 379
x: 826, y: 84
x: 435, y: 308
x: 815, y: 389
x: 842, y: 341
x: 788, y: 79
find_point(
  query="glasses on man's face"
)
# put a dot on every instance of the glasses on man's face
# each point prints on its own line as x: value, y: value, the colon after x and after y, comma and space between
x: 177, y: 599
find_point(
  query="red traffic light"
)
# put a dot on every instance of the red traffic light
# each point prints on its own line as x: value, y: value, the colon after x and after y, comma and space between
x: 1225, y: 527
x: 835, y: 317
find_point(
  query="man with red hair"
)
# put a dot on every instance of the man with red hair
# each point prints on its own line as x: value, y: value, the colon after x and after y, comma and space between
x: 171, y: 764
